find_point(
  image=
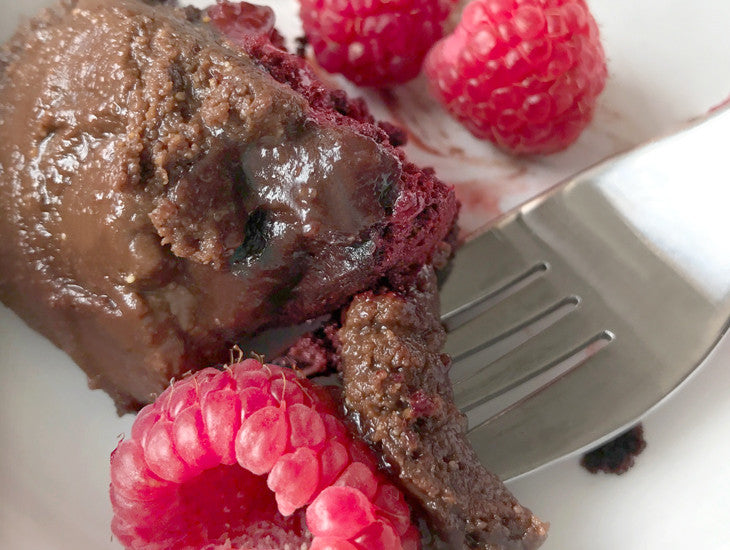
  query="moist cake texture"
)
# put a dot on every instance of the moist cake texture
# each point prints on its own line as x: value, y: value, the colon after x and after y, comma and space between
x: 396, y: 386
x: 164, y: 193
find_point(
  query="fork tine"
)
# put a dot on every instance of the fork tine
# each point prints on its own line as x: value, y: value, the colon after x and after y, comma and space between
x: 542, y: 425
x: 502, y: 290
x: 499, y: 321
x: 527, y: 359
x: 625, y: 238
x: 475, y: 360
x: 467, y: 285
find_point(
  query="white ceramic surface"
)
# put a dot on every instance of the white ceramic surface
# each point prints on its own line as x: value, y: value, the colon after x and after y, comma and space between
x: 669, y: 61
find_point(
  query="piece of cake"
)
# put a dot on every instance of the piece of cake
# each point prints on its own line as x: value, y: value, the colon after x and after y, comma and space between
x: 396, y: 385
x: 164, y: 193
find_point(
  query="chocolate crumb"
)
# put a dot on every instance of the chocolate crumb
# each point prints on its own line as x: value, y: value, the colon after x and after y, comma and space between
x: 618, y: 455
x: 314, y: 353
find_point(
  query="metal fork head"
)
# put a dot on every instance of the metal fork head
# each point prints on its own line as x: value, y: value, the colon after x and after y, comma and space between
x: 575, y: 315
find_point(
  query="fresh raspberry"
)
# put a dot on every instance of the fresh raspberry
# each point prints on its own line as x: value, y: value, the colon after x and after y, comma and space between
x: 251, y: 457
x: 524, y: 74
x: 374, y: 42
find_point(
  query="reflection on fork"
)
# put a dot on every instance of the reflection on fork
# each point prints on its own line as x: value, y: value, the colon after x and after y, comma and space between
x: 582, y: 310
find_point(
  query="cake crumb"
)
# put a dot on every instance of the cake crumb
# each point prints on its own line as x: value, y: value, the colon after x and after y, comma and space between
x: 618, y: 455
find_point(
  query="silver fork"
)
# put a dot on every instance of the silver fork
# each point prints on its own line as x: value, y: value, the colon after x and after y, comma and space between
x: 579, y: 312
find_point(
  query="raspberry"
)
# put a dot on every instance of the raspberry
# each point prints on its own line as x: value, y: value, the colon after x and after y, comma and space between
x: 376, y: 42
x: 524, y: 74
x: 251, y: 457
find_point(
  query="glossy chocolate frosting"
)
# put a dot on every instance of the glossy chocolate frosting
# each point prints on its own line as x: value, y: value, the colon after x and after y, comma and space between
x: 161, y: 195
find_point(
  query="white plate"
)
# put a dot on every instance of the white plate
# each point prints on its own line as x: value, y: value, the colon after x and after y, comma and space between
x: 669, y: 61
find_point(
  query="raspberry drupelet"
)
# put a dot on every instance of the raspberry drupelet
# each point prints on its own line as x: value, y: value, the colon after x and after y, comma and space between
x: 251, y: 457
x: 523, y: 74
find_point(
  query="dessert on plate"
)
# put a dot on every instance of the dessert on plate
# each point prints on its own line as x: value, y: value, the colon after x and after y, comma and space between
x: 163, y: 194
x: 172, y: 182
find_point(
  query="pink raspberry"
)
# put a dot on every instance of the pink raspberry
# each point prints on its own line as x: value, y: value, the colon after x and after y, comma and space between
x: 251, y: 457
x: 524, y: 74
x: 375, y: 42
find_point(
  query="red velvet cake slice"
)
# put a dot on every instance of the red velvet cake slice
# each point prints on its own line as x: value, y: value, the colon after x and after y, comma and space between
x: 164, y: 192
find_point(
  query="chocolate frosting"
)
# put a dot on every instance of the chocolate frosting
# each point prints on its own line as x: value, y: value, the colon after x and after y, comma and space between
x: 161, y: 195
